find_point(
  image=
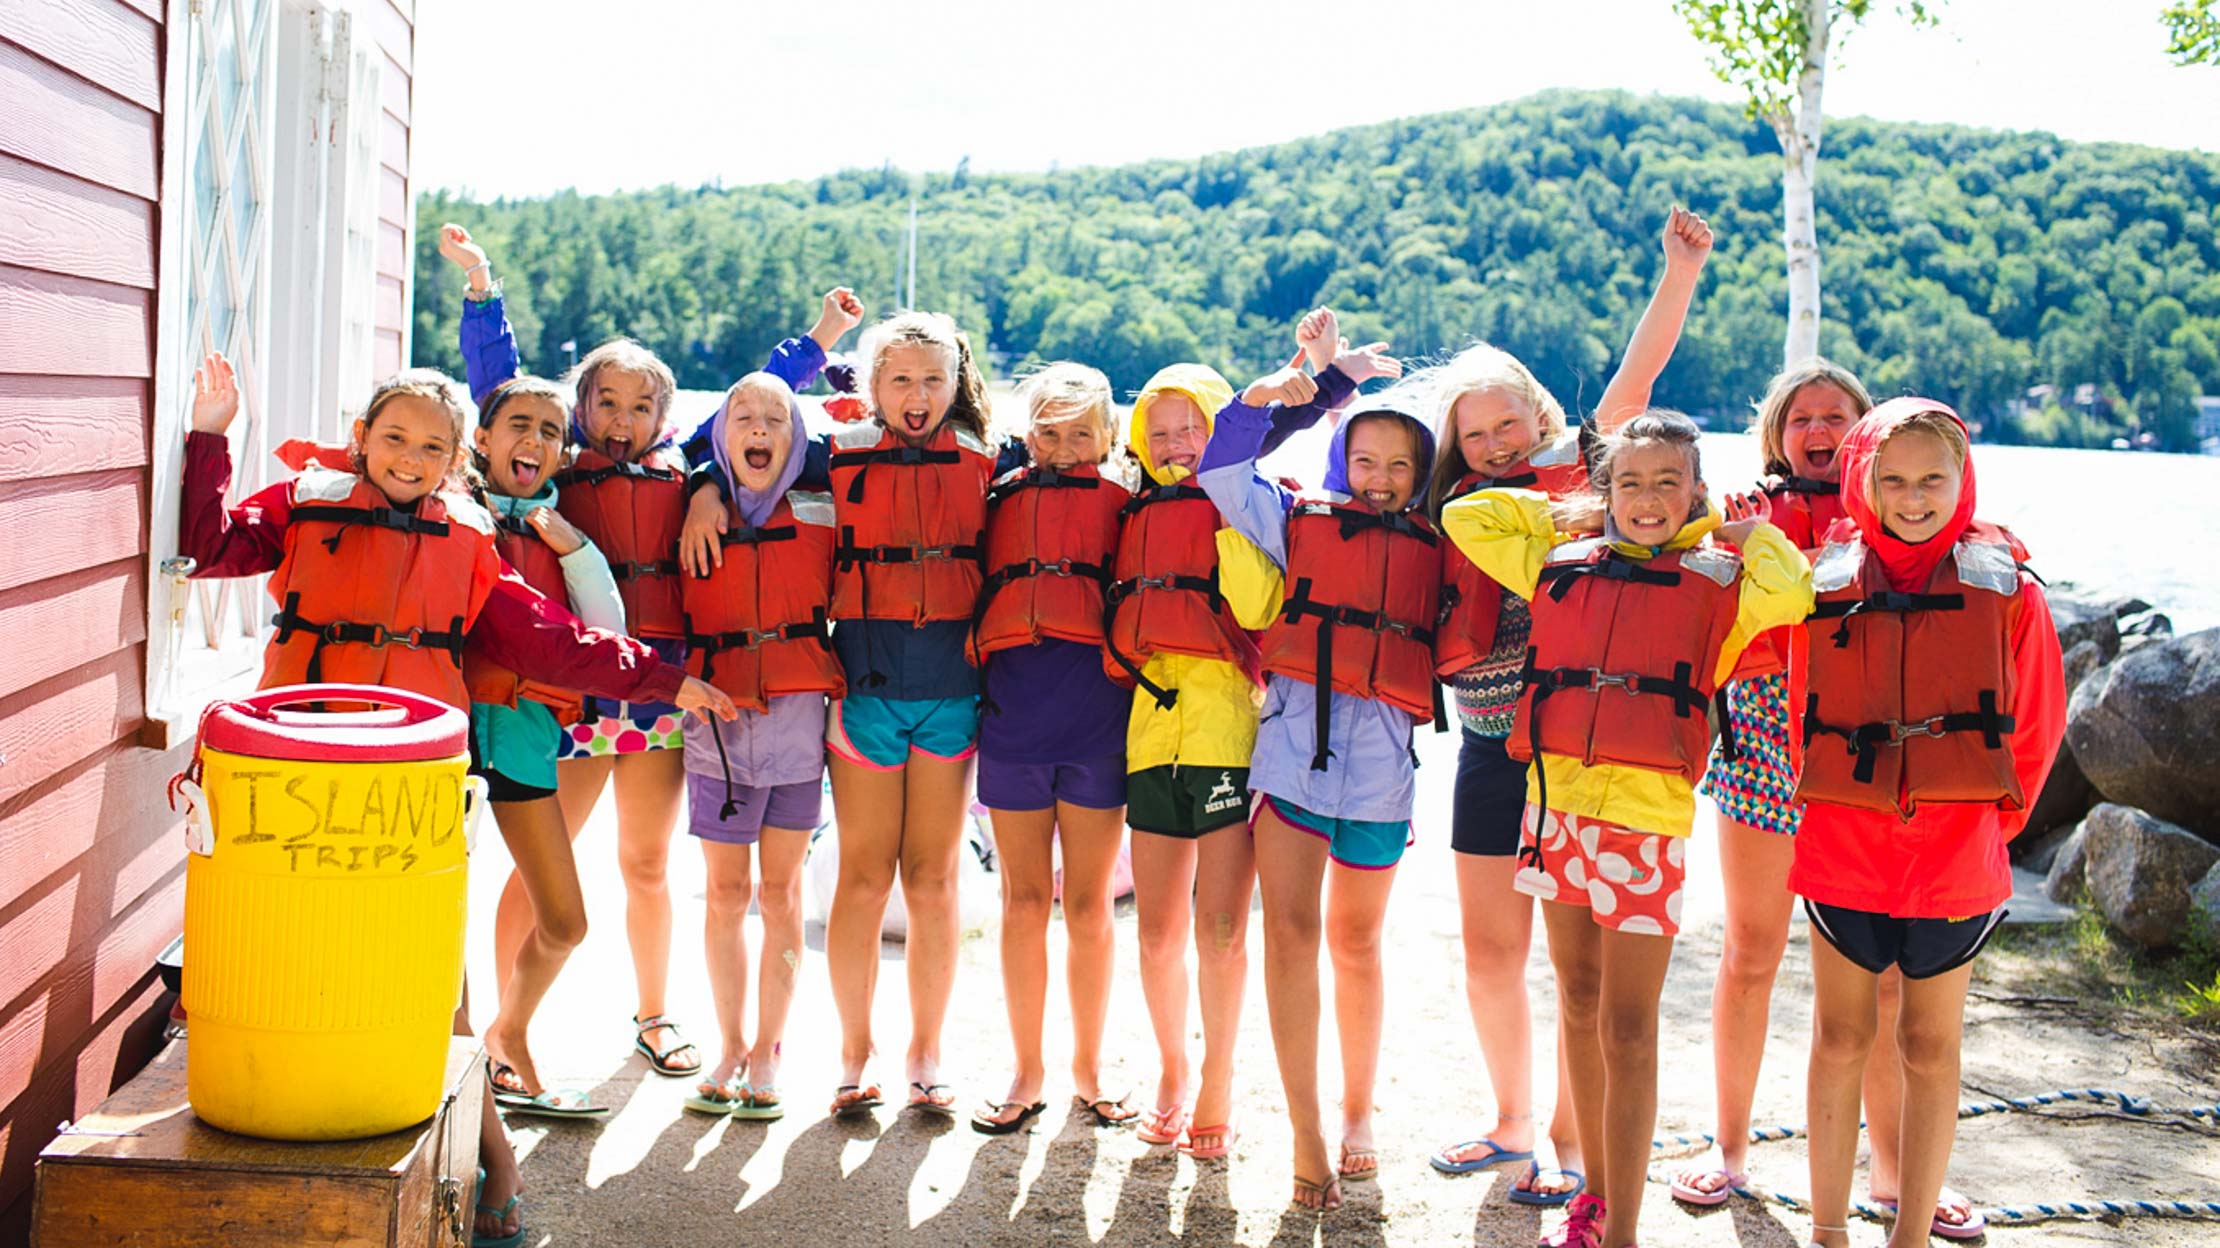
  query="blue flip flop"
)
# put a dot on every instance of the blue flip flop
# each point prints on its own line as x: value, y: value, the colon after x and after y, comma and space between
x: 1496, y: 1156
x: 1549, y: 1200
x: 494, y: 1241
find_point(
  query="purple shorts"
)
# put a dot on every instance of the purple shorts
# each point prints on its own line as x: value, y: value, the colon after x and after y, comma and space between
x: 1095, y: 783
x: 795, y: 806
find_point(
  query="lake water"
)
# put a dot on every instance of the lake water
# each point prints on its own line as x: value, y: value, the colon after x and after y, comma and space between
x: 2105, y: 521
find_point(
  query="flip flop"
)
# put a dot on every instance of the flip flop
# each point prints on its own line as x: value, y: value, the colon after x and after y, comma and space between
x: 660, y: 1061
x: 929, y: 1098
x: 1328, y: 1193
x: 501, y: 1214
x: 1102, y: 1106
x: 759, y: 1104
x: 552, y: 1103
x: 1689, y: 1194
x: 990, y: 1122
x: 1368, y: 1167
x: 1226, y: 1134
x: 1495, y: 1156
x: 720, y: 1099
x: 1974, y: 1227
x: 865, y: 1099
x: 1162, y: 1126
x: 1549, y: 1200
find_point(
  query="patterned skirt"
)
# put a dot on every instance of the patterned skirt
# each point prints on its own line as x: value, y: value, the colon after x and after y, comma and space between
x: 1755, y: 788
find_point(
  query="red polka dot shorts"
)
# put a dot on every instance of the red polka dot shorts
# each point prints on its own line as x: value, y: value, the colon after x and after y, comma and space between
x: 1629, y: 880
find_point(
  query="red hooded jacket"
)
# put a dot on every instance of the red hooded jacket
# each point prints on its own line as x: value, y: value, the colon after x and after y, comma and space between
x: 1948, y: 860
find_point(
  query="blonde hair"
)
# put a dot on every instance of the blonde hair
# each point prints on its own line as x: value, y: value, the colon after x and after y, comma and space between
x: 1772, y: 410
x: 1932, y: 422
x: 968, y: 410
x: 1075, y: 391
x: 1481, y: 368
x: 764, y: 385
x: 433, y: 386
x: 1656, y: 427
x: 626, y: 355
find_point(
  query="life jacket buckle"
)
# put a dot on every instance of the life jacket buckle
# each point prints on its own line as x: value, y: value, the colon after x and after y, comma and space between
x: 1627, y: 681
x: 1900, y: 732
x: 413, y: 639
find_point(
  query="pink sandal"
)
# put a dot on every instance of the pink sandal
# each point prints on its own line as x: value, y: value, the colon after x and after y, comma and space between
x: 1162, y: 1126
x: 1226, y: 1135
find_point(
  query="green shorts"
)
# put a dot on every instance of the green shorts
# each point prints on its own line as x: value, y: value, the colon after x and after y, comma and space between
x: 518, y: 744
x: 1186, y: 801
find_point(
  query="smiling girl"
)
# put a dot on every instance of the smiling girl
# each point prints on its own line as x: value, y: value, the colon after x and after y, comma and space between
x: 1632, y: 632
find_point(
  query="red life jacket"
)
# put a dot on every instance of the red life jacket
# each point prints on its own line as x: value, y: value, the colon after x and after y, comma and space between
x: 371, y: 595
x: 537, y: 564
x: 1624, y: 656
x: 1363, y: 592
x: 1804, y: 509
x: 756, y: 625
x: 913, y: 524
x: 1164, y: 598
x: 1051, y: 537
x: 1909, y: 695
x: 633, y: 512
x: 1471, y: 600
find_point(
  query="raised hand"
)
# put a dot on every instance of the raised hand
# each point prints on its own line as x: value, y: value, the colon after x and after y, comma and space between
x: 560, y: 535
x: 1318, y: 334
x: 1362, y: 364
x: 1752, y: 505
x: 701, y: 547
x: 1687, y: 239
x: 842, y: 312
x: 704, y: 699
x: 1737, y: 533
x: 215, y: 394
x: 1289, y: 385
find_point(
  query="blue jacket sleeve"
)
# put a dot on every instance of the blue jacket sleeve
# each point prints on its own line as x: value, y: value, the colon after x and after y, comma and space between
x: 1254, y: 507
x: 1334, y: 391
x: 488, y: 346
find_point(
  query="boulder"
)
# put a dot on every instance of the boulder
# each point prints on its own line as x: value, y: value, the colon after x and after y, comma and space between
x: 2204, y: 908
x: 2065, y: 879
x: 2037, y: 850
x: 2140, y: 869
x: 2142, y: 729
x: 2082, y: 658
x: 2066, y: 794
x: 2083, y: 617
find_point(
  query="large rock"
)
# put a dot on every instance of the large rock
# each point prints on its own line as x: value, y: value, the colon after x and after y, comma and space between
x: 2035, y: 851
x: 2067, y: 794
x: 2204, y: 908
x: 2066, y: 878
x: 2140, y: 870
x: 2145, y: 730
x: 2083, y: 617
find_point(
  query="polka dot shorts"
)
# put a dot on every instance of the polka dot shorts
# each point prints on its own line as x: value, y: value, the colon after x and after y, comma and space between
x: 1630, y: 881
x: 623, y: 734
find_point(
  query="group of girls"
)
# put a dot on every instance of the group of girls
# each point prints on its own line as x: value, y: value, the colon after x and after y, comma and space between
x: 1159, y: 636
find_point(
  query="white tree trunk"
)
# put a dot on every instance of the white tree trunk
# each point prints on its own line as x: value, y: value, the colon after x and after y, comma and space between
x: 1799, y: 139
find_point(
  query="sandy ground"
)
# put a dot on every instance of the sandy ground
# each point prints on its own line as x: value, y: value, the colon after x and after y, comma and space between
x: 652, y: 1174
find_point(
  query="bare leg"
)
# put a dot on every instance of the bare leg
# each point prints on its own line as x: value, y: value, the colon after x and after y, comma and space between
x: 1576, y: 954
x: 1498, y: 930
x: 1842, y: 1025
x: 1754, y: 866
x: 1225, y: 880
x: 779, y: 854
x: 503, y: 1178
x: 1090, y: 839
x: 1023, y: 842
x: 1163, y: 893
x: 1356, y: 908
x: 578, y: 786
x: 1929, y: 1029
x: 649, y: 788
x: 1291, y: 867
x: 1884, y: 1106
x: 539, y: 843
x: 938, y: 792
x: 868, y: 807
x: 1634, y: 966
x: 731, y: 887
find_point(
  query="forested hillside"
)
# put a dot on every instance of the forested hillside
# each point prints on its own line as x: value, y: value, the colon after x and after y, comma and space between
x: 1970, y: 265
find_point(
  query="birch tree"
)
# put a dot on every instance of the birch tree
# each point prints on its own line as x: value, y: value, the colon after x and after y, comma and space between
x: 1775, y: 52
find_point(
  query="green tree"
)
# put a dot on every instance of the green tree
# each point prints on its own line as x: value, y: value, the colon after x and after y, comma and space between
x: 2192, y: 32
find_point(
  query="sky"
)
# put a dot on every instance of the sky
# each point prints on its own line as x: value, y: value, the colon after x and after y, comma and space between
x: 527, y: 97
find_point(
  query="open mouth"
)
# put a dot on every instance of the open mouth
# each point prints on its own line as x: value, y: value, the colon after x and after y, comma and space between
x: 1502, y: 460
x: 1383, y: 499
x: 914, y: 421
x: 757, y: 458
x: 1647, y: 524
x: 1819, y: 457
x: 619, y: 449
x: 1914, y: 519
x: 524, y: 471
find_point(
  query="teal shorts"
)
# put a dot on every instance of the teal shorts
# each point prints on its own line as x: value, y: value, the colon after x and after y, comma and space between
x: 881, y: 733
x: 1362, y: 844
x: 517, y: 743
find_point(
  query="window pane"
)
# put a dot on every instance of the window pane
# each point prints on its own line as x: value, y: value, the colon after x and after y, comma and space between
x: 226, y: 40
x: 207, y: 189
x: 243, y: 202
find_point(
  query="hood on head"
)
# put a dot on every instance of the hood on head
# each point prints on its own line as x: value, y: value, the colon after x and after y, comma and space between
x: 1908, y: 564
x: 1201, y: 385
x: 1337, y: 447
x: 756, y: 505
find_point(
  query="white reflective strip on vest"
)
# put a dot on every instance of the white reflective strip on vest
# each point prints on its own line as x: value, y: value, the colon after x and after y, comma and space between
x: 1838, y: 566
x: 1716, y: 564
x: 1989, y: 566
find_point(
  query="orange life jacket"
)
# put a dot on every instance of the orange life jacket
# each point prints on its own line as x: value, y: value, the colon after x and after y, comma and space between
x: 371, y: 595
x: 1471, y: 600
x: 1624, y: 656
x: 537, y: 564
x: 1805, y: 509
x: 1909, y: 695
x: 756, y: 625
x: 1051, y: 538
x: 1164, y: 598
x: 913, y: 524
x: 1363, y: 592
x: 633, y: 512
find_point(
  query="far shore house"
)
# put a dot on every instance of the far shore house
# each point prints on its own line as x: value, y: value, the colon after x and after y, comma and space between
x: 176, y: 176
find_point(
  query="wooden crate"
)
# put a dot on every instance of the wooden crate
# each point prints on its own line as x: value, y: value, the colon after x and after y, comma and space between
x: 142, y: 1170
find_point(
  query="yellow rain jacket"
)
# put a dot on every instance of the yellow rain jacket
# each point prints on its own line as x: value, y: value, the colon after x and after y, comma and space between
x: 1508, y: 534
x: 1213, y: 724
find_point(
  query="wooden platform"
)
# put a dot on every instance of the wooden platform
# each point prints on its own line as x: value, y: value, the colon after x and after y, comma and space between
x: 142, y: 1170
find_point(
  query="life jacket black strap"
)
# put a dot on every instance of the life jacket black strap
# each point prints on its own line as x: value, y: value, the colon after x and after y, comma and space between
x: 1330, y: 616
x: 641, y: 571
x: 1559, y: 578
x: 595, y: 476
x: 847, y: 554
x: 1516, y: 481
x: 747, y: 536
x: 816, y: 629
x: 903, y: 456
x: 1865, y: 740
x: 1805, y: 485
x: 1355, y: 520
x: 1846, y: 609
x: 1162, y: 494
x: 289, y: 621
x: 1043, y: 479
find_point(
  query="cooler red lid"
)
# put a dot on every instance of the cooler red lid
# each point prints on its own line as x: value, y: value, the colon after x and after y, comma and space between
x: 287, y: 723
